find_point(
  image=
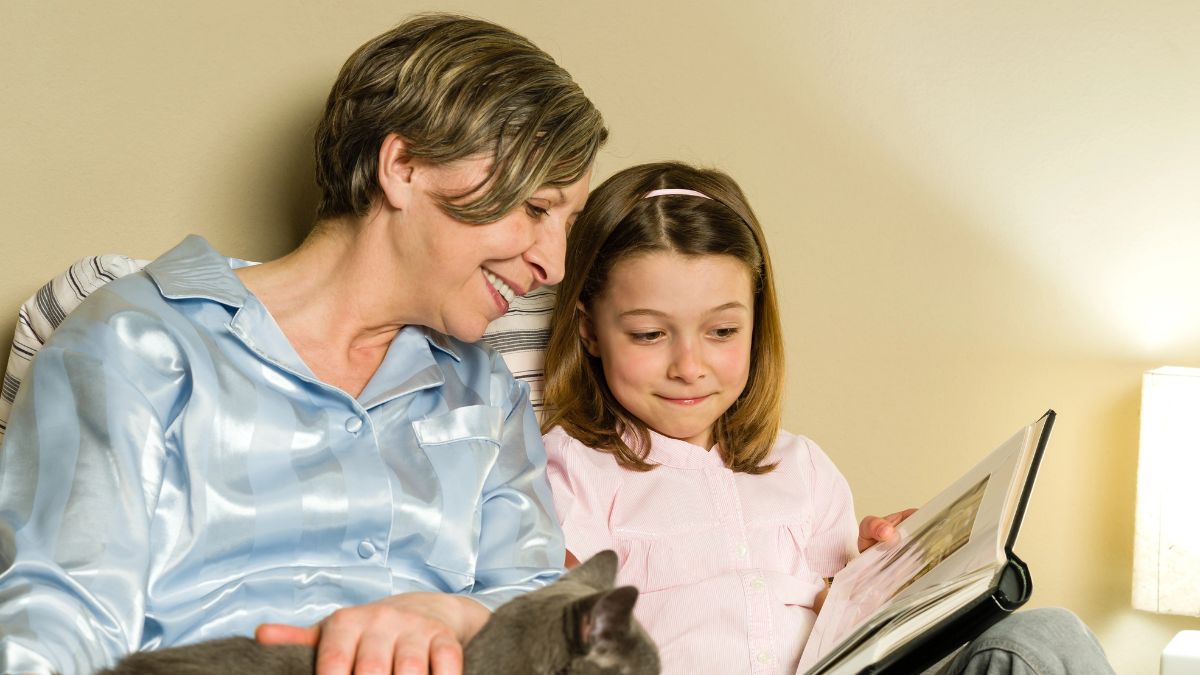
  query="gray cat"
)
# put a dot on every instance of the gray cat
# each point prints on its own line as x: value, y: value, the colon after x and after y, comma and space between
x: 579, y: 625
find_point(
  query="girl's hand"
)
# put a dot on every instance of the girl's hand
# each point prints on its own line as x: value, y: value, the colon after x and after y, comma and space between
x: 819, y: 601
x: 874, y: 529
x: 407, y: 634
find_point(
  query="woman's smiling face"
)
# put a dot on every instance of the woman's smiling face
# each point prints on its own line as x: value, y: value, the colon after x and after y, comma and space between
x: 468, y: 273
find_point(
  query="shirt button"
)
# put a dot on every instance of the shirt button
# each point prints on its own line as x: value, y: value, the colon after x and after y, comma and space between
x: 353, y: 424
x: 758, y: 584
x: 366, y: 549
x: 764, y: 657
x: 742, y: 551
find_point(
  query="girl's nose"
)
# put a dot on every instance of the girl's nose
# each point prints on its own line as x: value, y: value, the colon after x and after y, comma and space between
x: 686, y: 364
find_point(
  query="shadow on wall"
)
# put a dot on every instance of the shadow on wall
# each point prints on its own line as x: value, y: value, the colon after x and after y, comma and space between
x: 275, y: 187
x: 296, y: 194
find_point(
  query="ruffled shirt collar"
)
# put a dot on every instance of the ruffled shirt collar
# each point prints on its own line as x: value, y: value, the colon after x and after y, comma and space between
x: 679, y: 454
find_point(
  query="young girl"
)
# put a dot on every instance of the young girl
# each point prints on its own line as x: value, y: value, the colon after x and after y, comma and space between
x: 664, y: 392
x: 664, y: 379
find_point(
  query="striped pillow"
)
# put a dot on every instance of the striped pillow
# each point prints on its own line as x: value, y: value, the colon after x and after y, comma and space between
x: 42, y: 313
x: 521, y: 336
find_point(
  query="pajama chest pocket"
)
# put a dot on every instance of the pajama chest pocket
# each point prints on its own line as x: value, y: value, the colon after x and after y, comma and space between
x: 666, y: 561
x: 462, y: 446
x: 784, y: 541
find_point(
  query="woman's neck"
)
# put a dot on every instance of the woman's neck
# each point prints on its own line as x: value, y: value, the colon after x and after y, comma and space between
x: 337, y: 298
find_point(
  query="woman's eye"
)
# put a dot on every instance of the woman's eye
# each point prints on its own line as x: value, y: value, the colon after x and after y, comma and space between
x: 725, y: 333
x: 536, y: 211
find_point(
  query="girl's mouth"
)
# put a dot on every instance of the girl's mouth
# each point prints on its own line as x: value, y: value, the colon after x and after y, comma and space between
x: 690, y: 401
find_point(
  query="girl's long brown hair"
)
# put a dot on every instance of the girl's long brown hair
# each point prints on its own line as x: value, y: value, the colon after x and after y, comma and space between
x: 618, y: 222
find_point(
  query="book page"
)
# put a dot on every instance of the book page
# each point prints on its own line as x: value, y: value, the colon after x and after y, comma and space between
x: 880, y: 576
x: 952, y: 543
x: 913, y: 621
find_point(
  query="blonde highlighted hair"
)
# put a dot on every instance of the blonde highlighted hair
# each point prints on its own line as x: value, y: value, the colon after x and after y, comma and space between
x: 454, y: 87
x: 619, y: 222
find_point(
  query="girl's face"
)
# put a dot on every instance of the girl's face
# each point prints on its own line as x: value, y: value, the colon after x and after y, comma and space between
x: 673, y: 333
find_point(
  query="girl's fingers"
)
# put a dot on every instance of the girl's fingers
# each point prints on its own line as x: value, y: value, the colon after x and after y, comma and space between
x: 874, y: 529
x: 897, y: 518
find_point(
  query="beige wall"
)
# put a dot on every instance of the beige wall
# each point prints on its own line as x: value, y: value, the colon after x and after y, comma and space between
x: 978, y: 210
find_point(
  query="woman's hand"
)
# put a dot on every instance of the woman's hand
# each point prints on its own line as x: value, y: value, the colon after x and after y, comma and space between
x: 407, y: 634
x: 874, y: 529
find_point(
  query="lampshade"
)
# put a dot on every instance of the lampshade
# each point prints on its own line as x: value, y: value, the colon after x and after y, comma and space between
x: 1166, y: 550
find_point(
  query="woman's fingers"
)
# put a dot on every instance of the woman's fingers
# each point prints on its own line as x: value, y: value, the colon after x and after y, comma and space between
x: 388, y: 637
x: 445, y: 655
x: 424, y: 653
x: 283, y: 634
x: 407, y: 634
x: 401, y: 644
x: 339, y: 647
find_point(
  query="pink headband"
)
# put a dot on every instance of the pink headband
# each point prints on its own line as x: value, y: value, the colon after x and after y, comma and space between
x: 675, y: 191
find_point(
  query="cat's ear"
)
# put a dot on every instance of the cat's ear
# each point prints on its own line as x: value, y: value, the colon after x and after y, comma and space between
x: 598, y: 572
x: 604, y: 617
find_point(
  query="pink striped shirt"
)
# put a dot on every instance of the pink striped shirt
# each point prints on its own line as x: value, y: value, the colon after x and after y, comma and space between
x: 728, y: 564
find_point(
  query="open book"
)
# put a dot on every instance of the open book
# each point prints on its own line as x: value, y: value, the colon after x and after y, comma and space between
x: 947, y: 576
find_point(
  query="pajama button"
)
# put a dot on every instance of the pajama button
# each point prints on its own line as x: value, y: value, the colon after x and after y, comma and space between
x: 354, y: 424
x: 366, y: 549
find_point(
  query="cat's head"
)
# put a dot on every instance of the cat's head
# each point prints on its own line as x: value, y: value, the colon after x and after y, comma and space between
x: 579, y: 625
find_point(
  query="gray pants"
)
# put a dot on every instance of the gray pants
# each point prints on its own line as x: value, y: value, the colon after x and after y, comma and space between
x: 1048, y: 641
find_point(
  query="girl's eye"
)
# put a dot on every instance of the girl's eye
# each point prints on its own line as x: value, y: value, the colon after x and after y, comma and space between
x: 647, y: 336
x: 536, y: 211
x: 725, y: 332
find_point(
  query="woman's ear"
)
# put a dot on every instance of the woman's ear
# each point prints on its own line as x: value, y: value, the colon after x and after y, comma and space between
x: 587, y: 330
x: 395, y: 171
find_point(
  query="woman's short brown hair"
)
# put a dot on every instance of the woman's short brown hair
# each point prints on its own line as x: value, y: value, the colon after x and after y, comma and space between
x: 618, y: 222
x: 454, y: 87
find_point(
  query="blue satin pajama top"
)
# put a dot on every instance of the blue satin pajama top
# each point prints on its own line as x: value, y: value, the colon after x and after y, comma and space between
x: 174, y: 472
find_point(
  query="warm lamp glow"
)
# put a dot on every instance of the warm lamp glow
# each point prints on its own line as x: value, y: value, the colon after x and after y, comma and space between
x: 1166, y: 550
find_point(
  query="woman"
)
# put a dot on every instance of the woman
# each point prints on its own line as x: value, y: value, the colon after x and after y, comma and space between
x: 313, y: 446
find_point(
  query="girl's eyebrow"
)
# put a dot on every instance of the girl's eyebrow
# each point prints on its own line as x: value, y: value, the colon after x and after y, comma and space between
x: 656, y: 313
x: 642, y: 312
x: 729, y: 305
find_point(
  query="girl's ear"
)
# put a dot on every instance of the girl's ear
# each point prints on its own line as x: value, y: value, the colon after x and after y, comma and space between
x: 395, y: 171
x: 587, y: 330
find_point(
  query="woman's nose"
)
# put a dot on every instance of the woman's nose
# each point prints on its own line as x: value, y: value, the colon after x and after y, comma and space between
x: 547, y: 254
